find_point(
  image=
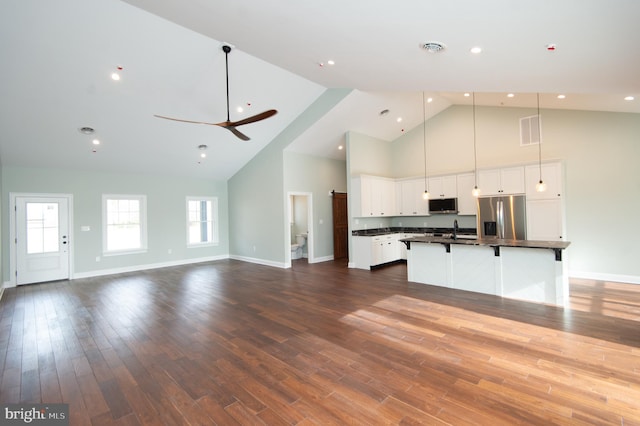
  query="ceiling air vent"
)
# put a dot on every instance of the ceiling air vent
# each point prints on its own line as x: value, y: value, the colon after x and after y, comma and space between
x: 530, y: 130
x: 432, y: 46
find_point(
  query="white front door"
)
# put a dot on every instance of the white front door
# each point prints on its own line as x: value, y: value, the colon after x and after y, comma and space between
x: 42, y: 239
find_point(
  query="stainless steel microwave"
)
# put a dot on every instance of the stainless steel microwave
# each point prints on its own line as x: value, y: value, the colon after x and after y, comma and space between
x: 443, y: 205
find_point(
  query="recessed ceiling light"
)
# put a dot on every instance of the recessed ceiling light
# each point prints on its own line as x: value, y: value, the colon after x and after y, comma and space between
x: 116, y: 75
x: 561, y: 96
x: 96, y: 141
x: 429, y: 100
x: 475, y: 50
x: 399, y: 119
x: 330, y: 62
x: 203, y: 155
x: 629, y: 98
x: 510, y: 95
x: 466, y: 95
x: 239, y: 109
x: 340, y: 147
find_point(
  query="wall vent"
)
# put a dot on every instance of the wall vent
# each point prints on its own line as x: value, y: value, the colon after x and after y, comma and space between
x: 530, y: 130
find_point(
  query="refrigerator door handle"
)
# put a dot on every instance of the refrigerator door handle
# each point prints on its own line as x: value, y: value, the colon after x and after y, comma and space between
x: 500, y: 219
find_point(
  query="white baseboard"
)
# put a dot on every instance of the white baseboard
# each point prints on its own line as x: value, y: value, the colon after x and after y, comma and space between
x: 259, y: 261
x: 629, y: 279
x: 136, y: 268
x: 321, y: 259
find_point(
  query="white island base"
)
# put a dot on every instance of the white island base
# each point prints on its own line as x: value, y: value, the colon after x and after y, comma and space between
x: 532, y: 274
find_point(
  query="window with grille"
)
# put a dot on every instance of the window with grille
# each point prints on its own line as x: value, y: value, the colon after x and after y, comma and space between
x: 202, y: 221
x: 124, y: 223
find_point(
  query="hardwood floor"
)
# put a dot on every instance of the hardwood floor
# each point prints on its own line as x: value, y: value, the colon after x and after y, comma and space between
x: 235, y: 343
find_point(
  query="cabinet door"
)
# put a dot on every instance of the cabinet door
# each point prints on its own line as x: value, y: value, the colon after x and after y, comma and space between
x: 387, y: 197
x: 443, y: 186
x: 376, y: 251
x: 401, y: 210
x: 512, y: 180
x: 467, y: 203
x: 544, y: 220
x: 366, y: 187
x: 489, y: 182
x: 551, y: 176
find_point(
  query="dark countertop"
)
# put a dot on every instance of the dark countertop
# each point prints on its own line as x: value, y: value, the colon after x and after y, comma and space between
x: 399, y: 230
x: 491, y: 242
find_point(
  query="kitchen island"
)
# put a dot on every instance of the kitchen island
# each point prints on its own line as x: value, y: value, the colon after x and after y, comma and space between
x: 520, y: 269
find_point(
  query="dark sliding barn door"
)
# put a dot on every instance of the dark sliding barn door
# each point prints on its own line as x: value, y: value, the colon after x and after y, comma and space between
x: 340, y: 226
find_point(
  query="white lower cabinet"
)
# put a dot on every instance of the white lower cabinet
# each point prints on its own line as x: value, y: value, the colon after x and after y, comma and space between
x: 373, y: 251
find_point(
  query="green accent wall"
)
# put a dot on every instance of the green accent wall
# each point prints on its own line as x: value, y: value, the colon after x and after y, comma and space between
x: 257, y: 195
x: 166, y: 214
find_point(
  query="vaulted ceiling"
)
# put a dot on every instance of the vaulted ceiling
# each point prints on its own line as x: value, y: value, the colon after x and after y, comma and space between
x: 58, y: 58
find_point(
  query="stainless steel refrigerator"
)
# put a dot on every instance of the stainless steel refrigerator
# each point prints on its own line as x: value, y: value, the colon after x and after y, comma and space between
x: 502, y: 217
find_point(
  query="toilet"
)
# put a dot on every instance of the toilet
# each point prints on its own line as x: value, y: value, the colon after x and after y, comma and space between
x: 296, y: 249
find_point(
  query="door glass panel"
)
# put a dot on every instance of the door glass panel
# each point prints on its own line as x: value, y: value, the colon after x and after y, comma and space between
x: 43, y: 233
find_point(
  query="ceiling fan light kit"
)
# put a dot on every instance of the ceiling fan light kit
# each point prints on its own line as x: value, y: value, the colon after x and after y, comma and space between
x: 228, y: 124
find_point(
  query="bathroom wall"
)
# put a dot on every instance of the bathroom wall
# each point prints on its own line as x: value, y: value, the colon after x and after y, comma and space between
x: 300, y: 214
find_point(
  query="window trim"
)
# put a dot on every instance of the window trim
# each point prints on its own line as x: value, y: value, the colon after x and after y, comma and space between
x: 143, y: 223
x: 214, y: 221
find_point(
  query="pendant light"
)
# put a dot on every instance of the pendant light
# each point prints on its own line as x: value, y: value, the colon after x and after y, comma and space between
x: 425, y: 194
x: 540, y: 186
x: 476, y: 191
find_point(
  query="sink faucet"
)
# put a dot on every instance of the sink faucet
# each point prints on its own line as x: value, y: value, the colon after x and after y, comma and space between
x: 455, y: 229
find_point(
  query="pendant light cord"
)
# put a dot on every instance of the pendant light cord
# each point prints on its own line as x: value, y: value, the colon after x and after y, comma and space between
x: 424, y: 141
x: 475, y: 154
x: 539, y: 139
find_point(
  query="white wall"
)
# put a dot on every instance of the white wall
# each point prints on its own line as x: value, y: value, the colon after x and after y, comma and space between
x: 600, y: 151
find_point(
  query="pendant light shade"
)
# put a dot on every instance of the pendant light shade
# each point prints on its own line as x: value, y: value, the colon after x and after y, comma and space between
x: 476, y: 190
x: 540, y: 186
x: 425, y: 194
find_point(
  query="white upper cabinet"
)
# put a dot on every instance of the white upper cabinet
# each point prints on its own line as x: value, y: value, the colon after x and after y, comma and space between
x: 551, y: 176
x: 467, y: 203
x: 545, y: 220
x: 443, y: 186
x: 409, y: 201
x: 373, y: 196
x: 504, y: 181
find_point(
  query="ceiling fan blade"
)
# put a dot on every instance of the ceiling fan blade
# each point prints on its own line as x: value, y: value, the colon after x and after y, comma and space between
x: 183, y: 121
x: 236, y: 132
x: 229, y: 125
x: 254, y: 118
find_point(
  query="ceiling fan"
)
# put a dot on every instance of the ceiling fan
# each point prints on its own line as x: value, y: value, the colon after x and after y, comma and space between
x: 230, y: 125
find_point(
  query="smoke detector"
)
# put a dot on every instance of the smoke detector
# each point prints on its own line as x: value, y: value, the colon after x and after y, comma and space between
x: 432, y: 46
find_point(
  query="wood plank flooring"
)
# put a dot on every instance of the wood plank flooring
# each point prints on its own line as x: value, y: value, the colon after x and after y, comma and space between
x: 230, y: 343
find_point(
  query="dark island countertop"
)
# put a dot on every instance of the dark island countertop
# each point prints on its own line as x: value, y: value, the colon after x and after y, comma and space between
x: 491, y: 242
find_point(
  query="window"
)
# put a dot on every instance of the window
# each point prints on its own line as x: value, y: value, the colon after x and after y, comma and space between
x: 202, y: 221
x: 124, y: 223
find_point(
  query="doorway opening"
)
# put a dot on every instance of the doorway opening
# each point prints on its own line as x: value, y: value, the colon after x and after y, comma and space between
x: 299, y: 229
